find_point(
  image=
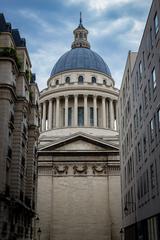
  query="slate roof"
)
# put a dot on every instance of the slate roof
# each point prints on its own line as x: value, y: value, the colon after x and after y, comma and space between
x: 80, y: 58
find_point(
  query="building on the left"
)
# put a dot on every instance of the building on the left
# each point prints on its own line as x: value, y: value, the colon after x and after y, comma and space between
x: 19, y: 130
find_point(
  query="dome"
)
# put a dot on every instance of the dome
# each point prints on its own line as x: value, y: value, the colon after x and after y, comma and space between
x: 80, y: 58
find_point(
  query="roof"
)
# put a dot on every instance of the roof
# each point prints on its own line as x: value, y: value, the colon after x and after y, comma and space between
x: 80, y: 58
x: 6, y: 27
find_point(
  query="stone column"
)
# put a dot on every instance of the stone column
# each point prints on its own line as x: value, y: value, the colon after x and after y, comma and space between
x: 66, y: 111
x: 44, y: 117
x: 85, y: 111
x: 107, y: 114
x: 41, y: 117
x: 111, y: 113
x: 53, y: 114
x: 57, y: 112
x: 95, y: 110
x: 75, y: 109
x: 104, y: 112
x: 117, y: 124
x: 50, y: 114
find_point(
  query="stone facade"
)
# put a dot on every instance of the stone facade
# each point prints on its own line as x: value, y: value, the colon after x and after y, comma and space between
x: 139, y: 111
x: 78, y: 155
x: 18, y: 136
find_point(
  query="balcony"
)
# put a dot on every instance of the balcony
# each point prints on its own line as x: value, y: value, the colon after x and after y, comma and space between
x: 10, y: 53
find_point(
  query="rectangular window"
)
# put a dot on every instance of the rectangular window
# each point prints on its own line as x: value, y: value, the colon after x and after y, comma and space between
x: 137, y: 80
x: 133, y: 92
x: 80, y: 116
x: 151, y: 39
x: 97, y: 117
x: 158, y: 118
x: 152, y: 130
x: 144, y: 143
x: 140, y: 70
x: 149, y: 89
x: 135, y: 125
x: 91, y: 116
x: 145, y: 97
x: 144, y: 61
x: 156, y: 24
x: 140, y: 113
x: 152, y: 174
x: 154, y: 79
x: 139, y: 151
x: 69, y: 117
x: 137, y: 118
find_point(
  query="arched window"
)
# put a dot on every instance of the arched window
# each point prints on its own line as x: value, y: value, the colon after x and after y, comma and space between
x: 93, y: 79
x: 57, y: 82
x: 80, y: 35
x: 104, y: 82
x: 80, y: 79
x: 67, y: 79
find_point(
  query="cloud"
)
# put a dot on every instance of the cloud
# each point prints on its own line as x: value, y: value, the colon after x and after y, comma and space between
x: 102, y: 5
x: 109, y: 26
x: 113, y: 33
x: 38, y: 20
x: 43, y: 60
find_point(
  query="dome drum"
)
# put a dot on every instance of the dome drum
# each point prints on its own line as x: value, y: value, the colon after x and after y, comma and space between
x: 71, y: 77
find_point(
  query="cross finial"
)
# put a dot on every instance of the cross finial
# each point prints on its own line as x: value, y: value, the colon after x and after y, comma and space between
x: 80, y: 18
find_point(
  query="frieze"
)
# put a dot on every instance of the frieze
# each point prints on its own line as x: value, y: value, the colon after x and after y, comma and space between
x: 79, y: 169
x: 60, y: 169
x: 99, y: 169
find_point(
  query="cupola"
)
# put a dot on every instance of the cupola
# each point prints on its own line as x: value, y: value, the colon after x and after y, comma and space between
x: 80, y: 36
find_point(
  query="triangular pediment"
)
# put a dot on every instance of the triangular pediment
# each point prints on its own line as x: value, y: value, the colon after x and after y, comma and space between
x: 79, y: 142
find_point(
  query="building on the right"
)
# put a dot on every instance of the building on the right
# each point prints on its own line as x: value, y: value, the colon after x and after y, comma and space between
x: 139, y: 116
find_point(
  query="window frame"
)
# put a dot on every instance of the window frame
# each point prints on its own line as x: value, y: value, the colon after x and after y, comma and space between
x: 156, y: 24
x: 154, y: 83
x: 94, y: 80
x: 67, y: 79
x: 80, y: 79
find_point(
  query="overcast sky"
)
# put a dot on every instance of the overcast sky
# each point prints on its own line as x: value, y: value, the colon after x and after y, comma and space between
x: 115, y: 27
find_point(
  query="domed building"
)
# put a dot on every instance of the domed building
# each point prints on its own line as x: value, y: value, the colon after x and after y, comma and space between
x: 79, y: 168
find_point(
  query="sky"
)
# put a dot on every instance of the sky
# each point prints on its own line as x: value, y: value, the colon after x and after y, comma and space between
x: 115, y: 27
